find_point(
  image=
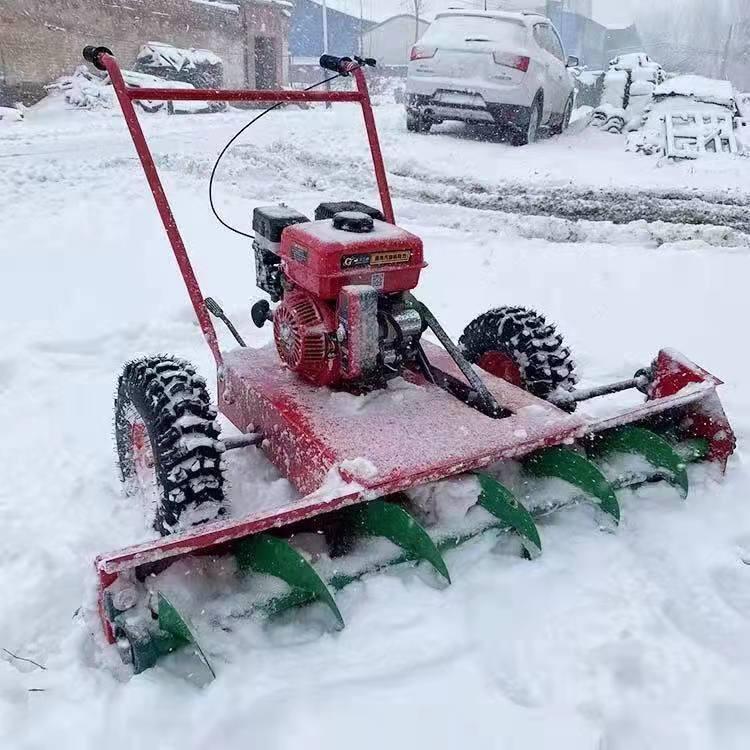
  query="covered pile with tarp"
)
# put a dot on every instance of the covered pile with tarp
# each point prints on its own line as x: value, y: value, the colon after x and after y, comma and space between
x: 199, y: 67
x: 627, y: 89
x: 87, y: 90
x: 688, y: 116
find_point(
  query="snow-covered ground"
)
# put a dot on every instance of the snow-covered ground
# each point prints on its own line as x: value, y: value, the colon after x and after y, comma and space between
x: 624, y: 641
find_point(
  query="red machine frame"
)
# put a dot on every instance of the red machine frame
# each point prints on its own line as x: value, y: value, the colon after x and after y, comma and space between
x: 677, y: 382
x: 126, y: 95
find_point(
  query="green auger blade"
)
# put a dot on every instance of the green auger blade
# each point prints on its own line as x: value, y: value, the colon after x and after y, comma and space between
x: 172, y: 622
x: 654, y: 448
x: 381, y: 518
x: 272, y: 556
x: 502, y: 503
x: 576, y: 469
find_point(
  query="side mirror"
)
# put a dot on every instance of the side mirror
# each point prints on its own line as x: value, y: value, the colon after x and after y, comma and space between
x: 573, y: 61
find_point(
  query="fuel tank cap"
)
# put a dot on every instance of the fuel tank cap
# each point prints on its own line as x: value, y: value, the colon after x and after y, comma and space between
x: 353, y: 221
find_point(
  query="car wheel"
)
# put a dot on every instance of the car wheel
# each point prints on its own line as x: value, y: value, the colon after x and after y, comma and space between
x: 565, y: 119
x: 527, y: 129
x: 416, y: 122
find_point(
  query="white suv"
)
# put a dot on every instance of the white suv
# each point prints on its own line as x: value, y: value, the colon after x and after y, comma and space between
x: 507, y: 69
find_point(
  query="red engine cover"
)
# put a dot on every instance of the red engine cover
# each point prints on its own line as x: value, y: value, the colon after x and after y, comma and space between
x: 302, y: 327
x: 322, y: 259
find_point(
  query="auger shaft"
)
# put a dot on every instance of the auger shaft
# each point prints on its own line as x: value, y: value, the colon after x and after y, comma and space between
x: 242, y: 441
x: 584, y: 394
x: 306, y: 580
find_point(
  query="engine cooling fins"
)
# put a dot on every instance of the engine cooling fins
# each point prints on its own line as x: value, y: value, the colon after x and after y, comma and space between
x: 305, y: 578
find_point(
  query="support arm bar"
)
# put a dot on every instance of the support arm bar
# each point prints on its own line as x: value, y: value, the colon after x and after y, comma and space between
x: 560, y: 399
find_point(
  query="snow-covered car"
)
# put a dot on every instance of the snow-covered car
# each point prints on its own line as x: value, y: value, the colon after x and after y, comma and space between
x: 501, y: 68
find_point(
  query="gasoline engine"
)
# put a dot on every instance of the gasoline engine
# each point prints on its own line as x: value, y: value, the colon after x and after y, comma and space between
x: 340, y: 280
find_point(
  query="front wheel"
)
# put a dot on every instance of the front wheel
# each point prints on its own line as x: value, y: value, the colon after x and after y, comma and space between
x: 168, y: 443
x: 518, y: 345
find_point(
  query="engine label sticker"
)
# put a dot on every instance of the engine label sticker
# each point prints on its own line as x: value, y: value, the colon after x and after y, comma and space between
x: 355, y: 261
x: 393, y: 258
x: 299, y: 254
x: 386, y: 258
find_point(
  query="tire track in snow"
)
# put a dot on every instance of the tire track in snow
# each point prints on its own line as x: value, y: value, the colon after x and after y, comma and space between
x: 574, y: 203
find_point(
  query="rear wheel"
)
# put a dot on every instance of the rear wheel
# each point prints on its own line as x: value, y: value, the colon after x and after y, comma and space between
x: 416, y: 122
x: 168, y: 442
x: 527, y: 129
x: 518, y: 345
x: 565, y: 119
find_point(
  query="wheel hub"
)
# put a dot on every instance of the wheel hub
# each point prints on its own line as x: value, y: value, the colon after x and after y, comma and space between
x: 503, y: 366
x: 143, y: 460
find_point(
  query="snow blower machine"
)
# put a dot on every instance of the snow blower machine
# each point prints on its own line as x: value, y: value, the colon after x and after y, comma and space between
x: 400, y: 443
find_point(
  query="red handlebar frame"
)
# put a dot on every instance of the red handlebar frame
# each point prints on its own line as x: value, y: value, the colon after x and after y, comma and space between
x: 126, y: 95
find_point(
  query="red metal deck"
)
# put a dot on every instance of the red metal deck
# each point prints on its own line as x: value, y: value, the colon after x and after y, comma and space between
x: 412, y: 432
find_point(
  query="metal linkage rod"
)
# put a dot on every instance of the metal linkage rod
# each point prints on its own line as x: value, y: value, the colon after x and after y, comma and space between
x: 584, y: 394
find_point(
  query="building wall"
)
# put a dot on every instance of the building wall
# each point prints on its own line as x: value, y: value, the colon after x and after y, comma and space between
x: 391, y: 41
x: 306, y: 31
x: 738, y: 59
x: 42, y: 39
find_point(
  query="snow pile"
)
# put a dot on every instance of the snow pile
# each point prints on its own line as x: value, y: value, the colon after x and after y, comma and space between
x: 9, y: 114
x: 629, y: 85
x: 699, y: 89
x: 615, y: 88
x: 640, y: 67
x: 609, y: 118
x: 83, y: 90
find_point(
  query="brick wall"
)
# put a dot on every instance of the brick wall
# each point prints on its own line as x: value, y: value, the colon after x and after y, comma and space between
x: 42, y: 39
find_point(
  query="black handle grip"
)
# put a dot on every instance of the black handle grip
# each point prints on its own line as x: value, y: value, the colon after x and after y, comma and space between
x: 92, y: 54
x: 335, y: 64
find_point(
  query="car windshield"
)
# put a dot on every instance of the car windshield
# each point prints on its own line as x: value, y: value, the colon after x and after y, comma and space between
x: 457, y: 29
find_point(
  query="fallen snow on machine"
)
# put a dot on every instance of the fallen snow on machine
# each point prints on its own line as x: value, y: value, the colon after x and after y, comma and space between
x: 401, y: 443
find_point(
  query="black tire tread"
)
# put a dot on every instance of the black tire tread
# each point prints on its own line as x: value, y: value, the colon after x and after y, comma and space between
x: 546, y: 364
x: 173, y: 401
x: 519, y: 130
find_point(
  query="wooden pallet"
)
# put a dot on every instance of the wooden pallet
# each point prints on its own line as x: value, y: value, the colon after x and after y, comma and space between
x: 690, y: 135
